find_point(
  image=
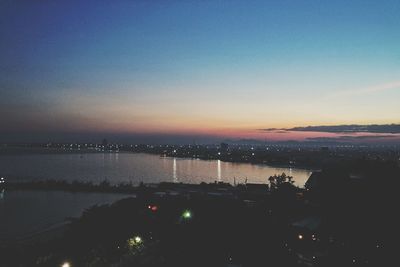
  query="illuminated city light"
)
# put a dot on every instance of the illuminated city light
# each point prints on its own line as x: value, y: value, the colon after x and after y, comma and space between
x: 153, y: 208
x: 300, y: 237
x: 135, y: 241
x: 187, y: 214
x: 66, y: 264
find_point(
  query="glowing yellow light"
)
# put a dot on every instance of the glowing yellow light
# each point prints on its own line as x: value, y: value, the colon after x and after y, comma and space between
x: 66, y: 264
x: 300, y: 237
x: 135, y: 241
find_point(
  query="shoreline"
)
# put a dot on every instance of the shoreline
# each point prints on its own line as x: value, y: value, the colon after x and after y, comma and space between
x: 122, y: 188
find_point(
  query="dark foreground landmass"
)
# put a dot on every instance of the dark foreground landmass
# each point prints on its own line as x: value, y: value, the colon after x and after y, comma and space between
x: 347, y: 215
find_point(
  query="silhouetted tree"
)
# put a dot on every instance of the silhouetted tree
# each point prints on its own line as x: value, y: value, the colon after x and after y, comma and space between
x: 277, y: 181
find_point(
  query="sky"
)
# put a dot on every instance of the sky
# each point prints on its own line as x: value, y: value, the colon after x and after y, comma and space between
x: 162, y: 71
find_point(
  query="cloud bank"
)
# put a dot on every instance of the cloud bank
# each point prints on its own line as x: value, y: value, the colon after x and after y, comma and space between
x: 349, y: 128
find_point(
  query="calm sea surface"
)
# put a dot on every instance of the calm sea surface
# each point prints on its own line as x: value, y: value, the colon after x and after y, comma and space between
x: 130, y: 167
x: 25, y: 213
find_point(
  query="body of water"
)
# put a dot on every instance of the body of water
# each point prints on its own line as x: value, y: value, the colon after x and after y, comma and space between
x: 135, y: 168
x: 24, y: 214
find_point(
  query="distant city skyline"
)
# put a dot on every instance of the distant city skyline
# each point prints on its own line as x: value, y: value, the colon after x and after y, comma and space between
x: 176, y: 71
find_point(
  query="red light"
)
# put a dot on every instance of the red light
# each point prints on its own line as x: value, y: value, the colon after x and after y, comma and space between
x: 153, y: 207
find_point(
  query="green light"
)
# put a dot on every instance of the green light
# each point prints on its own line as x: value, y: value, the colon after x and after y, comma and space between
x: 187, y: 214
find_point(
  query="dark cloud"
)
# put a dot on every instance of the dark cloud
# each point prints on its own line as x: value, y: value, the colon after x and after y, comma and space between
x: 352, y: 128
x: 274, y: 130
x: 348, y: 138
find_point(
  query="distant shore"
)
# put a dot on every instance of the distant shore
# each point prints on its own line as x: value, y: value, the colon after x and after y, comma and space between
x: 52, y: 150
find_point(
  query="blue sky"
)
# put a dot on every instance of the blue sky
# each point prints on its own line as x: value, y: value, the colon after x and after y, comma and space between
x: 223, y: 68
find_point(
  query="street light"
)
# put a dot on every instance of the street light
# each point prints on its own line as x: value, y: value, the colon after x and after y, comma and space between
x: 187, y: 214
x: 138, y: 239
x: 135, y: 241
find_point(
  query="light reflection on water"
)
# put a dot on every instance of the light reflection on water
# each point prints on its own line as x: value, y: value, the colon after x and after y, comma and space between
x: 219, y: 171
x: 23, y: 213
x: 174, y: 175
x: 129, y: 167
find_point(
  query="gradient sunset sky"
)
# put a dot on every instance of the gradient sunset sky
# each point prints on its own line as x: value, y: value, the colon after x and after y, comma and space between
x: 226, y: 69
